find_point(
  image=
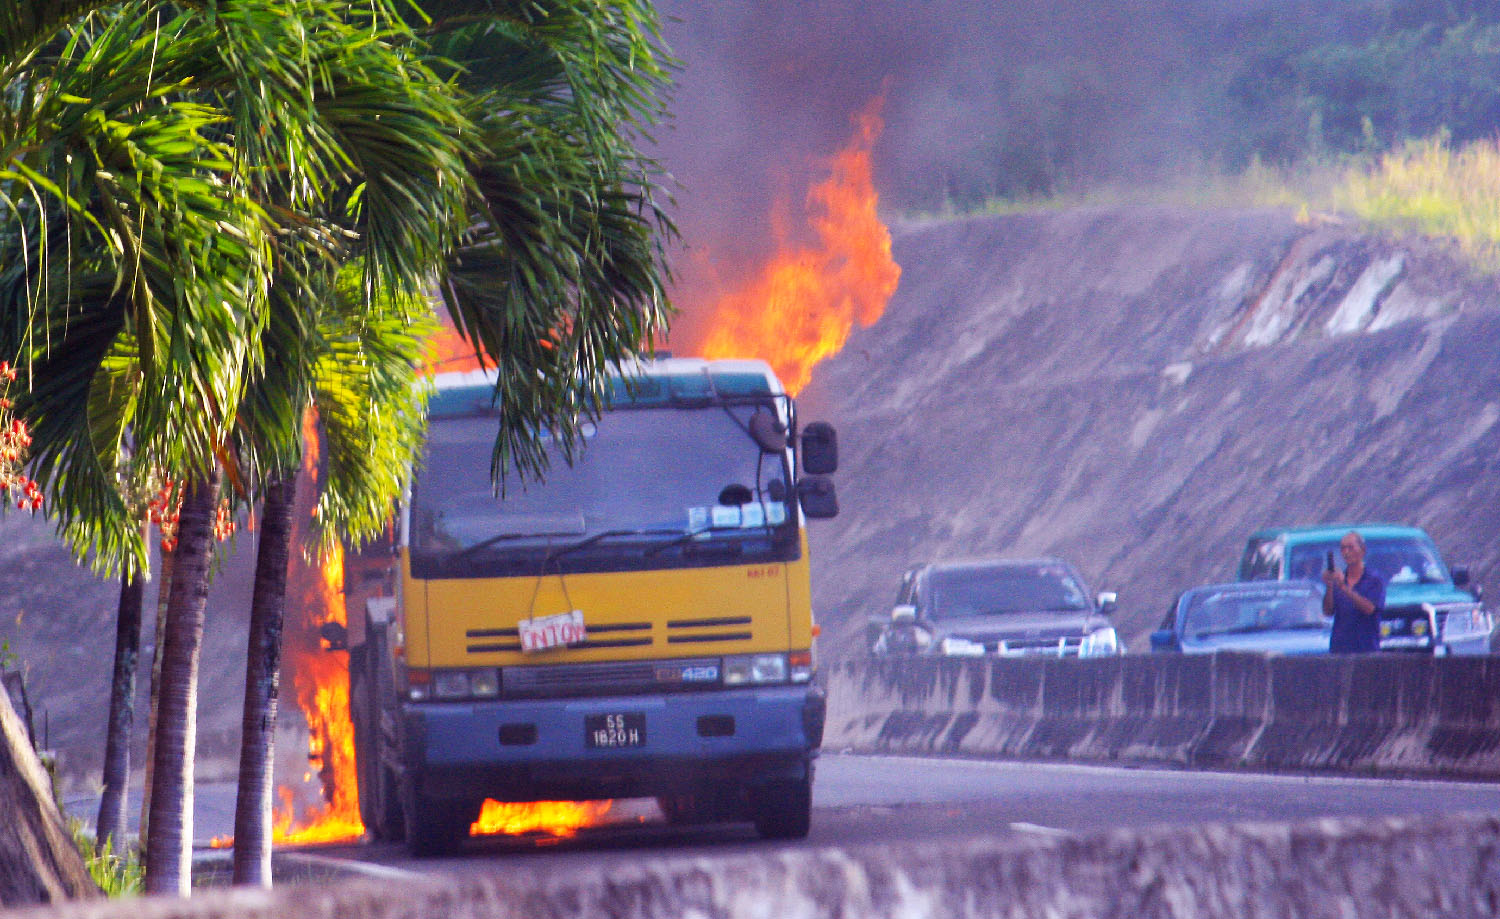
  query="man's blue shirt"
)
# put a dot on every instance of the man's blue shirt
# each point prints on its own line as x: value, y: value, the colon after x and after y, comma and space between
x: 1354, y: 631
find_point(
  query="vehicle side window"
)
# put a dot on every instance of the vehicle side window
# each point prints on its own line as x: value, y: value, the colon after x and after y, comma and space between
x: 1262, y: 561
x: 907, y: 594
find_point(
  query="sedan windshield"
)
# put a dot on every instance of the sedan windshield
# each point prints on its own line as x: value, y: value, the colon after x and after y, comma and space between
x: 959, y: 592
x: 669, y: 482
x: 1221, y: 613
x: 1394, y: 559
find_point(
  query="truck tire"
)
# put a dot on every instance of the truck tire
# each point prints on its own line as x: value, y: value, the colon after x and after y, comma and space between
x: 783, y: 810
x: 434, y: 827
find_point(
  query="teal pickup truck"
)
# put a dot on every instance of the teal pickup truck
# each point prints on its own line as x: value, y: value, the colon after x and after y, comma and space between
x: 1428, y: 606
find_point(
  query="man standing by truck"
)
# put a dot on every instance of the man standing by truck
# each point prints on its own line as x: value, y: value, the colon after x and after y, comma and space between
x: 1354, y: 598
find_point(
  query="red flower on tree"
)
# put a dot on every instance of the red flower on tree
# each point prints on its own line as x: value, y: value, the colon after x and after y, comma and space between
x: 15, y: 441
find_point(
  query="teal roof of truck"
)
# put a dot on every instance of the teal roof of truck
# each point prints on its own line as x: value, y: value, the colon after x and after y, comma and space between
x: 1332, y: 531
x: 659, y: 382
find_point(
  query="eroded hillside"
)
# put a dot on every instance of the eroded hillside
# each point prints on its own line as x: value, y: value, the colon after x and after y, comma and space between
x: 1137, y: 389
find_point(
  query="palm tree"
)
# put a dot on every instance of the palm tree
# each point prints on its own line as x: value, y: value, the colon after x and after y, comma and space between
x: 146, y: 268
x: 146, y: 226
x: 111, y: 819
x: 359, y: 370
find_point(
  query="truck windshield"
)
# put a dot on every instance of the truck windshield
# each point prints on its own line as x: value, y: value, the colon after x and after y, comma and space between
x: 650, y: 488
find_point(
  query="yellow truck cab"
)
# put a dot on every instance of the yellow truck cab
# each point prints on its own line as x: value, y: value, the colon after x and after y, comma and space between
x: 638, y: 623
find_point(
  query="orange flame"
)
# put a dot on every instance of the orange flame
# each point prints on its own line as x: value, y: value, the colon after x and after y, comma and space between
x: 320, y: 680
x: 805, y: 302
x: 556, y: 818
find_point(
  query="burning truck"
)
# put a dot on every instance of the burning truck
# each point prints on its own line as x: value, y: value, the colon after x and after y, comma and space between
x: 638, y: 624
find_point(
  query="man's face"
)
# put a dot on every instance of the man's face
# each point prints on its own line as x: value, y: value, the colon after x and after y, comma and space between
x: 1351, y: 549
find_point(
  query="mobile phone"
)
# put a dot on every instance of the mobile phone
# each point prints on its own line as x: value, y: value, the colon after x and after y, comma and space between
x: 1330, y: 560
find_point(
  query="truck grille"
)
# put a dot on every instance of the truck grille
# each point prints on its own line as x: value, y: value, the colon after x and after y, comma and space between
x: 616, y: 635
x: 707, y: 631
x: 611, y: 677
x: 1066, y: 646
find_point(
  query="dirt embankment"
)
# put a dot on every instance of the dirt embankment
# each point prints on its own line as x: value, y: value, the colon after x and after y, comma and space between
x: 1137, y: 389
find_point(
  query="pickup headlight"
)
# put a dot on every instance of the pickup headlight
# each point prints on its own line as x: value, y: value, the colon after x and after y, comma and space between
x: 1463, y: 620
x: 749, y: 669
x: 961, y: 647
x: 1103, y: 642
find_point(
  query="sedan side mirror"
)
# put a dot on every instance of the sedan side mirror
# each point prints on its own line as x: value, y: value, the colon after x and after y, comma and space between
x: 1460, y: 575
x: 1107, y: 601
x: 1164, y: 640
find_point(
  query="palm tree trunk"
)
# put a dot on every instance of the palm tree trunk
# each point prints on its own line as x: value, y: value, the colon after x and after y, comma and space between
x: 170, y: 831
x: 252, y: 810
x: 163, y: 595
x: 121, y: 714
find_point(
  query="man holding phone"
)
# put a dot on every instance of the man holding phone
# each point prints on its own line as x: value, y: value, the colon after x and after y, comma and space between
x: 1354, y: 598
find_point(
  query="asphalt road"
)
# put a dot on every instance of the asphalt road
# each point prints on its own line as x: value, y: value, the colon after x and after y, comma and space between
x: 860, y: 799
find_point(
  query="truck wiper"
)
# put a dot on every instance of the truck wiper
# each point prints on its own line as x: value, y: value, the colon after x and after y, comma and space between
x: 597, y: 538
x: 506, y: 537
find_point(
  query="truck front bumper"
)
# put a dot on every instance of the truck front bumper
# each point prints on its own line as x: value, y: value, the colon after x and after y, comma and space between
x: 540, y: 749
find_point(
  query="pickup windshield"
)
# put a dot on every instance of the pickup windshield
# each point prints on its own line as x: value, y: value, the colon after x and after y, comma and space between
x: 650, y: 488
x: 980, y: 591
x: 1395, y: 560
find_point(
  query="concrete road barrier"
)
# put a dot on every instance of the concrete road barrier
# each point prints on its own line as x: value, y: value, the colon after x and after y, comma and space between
x: 1387, y: 869
x: 1385, y: 714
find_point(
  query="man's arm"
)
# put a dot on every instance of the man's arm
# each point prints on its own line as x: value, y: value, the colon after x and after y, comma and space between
x: 1362, y: 603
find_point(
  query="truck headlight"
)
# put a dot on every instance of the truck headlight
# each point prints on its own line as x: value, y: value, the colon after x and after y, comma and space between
x: 1103, y: 642
x: 748, y: 669
x: 451, y: 685
x: 961, y: 647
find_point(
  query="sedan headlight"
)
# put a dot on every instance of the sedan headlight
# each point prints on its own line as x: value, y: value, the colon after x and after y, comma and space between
x: 748, y: 669
x: 1103, y: 642
x: 961, y: 647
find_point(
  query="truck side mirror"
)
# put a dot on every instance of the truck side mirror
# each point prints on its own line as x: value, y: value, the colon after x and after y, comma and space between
x: 1460, y: 575
x: 1107, y: 601
x: 335, y: 634
x: 903, y: 613
x: 817, y: 496
x: 820, y: 449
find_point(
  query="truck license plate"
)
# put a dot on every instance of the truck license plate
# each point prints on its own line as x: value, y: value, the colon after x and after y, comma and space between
x: 627, y: 729
x: 552, y: 631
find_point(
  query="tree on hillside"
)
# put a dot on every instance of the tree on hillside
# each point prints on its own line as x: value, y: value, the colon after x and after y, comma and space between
x: 155, y: 162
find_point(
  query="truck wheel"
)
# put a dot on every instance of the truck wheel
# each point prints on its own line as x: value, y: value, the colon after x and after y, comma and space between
x: 783, y: 810
x: 389, y: 822
x: 434, y: 827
